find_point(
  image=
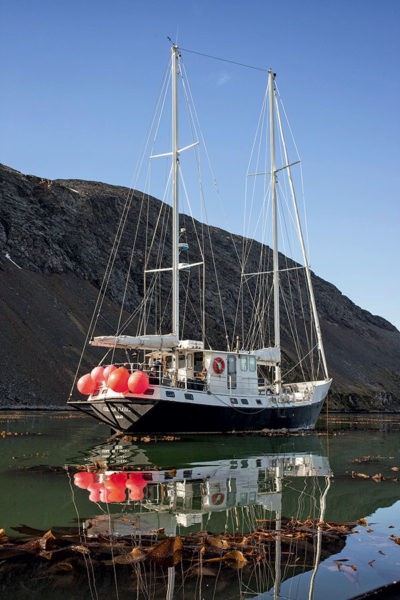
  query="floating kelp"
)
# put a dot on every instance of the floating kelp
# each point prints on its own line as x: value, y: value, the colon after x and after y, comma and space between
x: 146, y: 439
x: 372, y: 462
x: 295, y: 538
x: 7, y: 434
x: 73, y: 563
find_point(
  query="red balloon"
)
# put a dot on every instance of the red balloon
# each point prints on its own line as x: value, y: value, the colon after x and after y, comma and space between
x: 107, y: 371
x: 98, y: 374
x: 83, y: 479
x: 138, y: 382
x: 86, y: 385
x: 118, y: 380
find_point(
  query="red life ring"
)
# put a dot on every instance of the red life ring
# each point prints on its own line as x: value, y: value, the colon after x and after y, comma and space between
x: 219, y: 365
x: 217, y: 499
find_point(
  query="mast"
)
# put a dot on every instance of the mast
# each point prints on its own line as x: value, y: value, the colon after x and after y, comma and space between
x: 175, y: 198
x: 303, y: 250
x: 277, y: 334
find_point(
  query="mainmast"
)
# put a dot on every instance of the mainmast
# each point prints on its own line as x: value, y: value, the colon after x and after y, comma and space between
x: 277, y: 334
x: 175, y: 197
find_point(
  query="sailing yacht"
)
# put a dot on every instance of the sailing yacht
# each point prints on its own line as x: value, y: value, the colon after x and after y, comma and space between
x: 167, y: 382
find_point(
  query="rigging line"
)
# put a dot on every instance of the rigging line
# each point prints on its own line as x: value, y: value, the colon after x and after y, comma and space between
x: 129, y: 275
x: 105, y: 282
x: 233, y: 62
x: 112, y: 551
x: 280, y: 102
x: 82, y: 538
x: 195, y: 317
x: 197, y: 133
x: 293, y: 331
x: 255, y: 158
x: 300, y: 361
x: 138, y: 309
x: 121, y: 226
x: 270, y: 271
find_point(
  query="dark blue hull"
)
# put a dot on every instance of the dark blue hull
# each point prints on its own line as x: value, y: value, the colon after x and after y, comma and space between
x: 178, y: 417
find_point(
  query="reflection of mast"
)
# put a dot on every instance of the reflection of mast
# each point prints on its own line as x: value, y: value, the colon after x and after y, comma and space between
x: 278, y: 526
x: 171, y: 583
x: 319, y: 536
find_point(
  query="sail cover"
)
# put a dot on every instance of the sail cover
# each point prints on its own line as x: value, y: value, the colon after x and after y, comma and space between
x: 270, y: 355
x: 148, y: 342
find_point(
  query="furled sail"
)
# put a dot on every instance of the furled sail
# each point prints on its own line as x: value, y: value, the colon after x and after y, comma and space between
x: 271, y: 356
x: 149, y: 342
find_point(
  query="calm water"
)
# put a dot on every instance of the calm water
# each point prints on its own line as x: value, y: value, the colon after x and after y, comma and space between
x: 217, y: 484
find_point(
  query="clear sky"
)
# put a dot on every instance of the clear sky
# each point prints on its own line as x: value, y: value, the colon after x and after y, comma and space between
x: 79, y: 80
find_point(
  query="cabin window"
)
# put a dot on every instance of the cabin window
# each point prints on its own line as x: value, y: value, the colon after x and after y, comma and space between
x: 231, y: 379
x: 189, y: 396
x: 189, y: 361
x: 258, y: 402
x: 149, y: 392
x: 198, y: 361
x: 231, y: 365
x: 252, y: 363
x: 234, y: 401
x: 181, y: 361
x: 244, y: 401
x: 243, y: 363
x: 170, y: 394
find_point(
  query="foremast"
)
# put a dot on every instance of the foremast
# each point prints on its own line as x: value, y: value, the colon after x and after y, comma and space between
x: 175, y: 191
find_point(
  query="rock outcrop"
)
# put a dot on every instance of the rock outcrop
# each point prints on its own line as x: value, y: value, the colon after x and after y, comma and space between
x: 55, y: 239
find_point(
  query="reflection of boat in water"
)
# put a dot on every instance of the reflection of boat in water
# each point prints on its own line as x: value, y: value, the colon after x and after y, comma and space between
x: 188, y: 496
x: 256, y: 494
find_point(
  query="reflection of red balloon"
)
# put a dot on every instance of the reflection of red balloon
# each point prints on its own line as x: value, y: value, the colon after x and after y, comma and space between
x: 138, y: 382
x: 86, y: 385
x: 83, y: 479
x: 118, y: 478
x: 115, y: 486
x: 116, y: 495
x: 95, y: 490
x: 136, y: 484
x: 107, y: 372
x: 98, y: 374
x: 118, y: 380
x: 136, y: 493
x: 104, y: 494
x: 137, y: 478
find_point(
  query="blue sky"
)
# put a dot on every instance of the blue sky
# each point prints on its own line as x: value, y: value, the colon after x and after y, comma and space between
x: 79, y: 80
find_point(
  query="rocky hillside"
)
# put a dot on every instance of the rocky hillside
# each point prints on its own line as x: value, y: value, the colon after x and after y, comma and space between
x: 55, y: 238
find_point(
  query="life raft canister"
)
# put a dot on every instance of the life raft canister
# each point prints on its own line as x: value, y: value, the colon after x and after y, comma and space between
x: 219, y: 365
x: 217, y: 499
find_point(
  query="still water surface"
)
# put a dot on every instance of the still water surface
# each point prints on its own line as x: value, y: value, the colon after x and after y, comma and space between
x: 218, y: 484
